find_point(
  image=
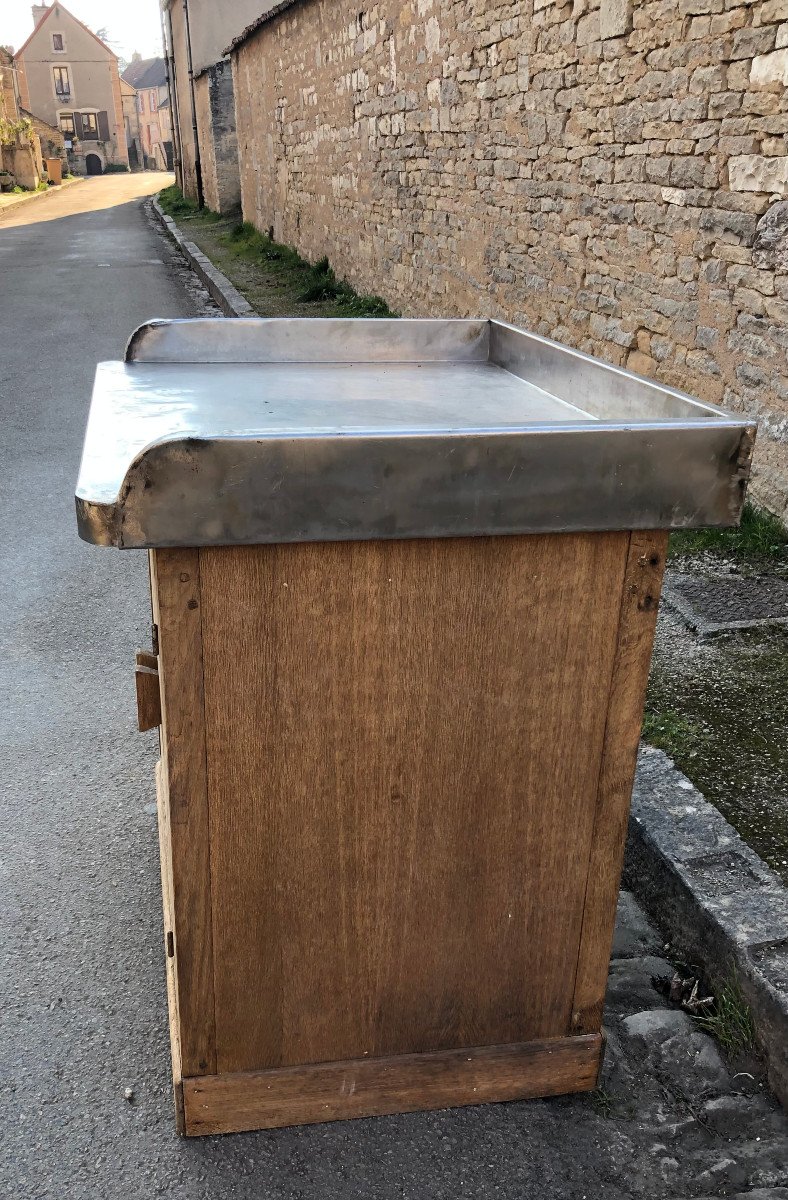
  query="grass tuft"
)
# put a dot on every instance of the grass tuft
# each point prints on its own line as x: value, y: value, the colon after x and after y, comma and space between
x: 175, y: 204
x: 761, y: 537
x: 668, y: 730
x: 270, y: 274
x: 316, y: 283
x: 730, y: 1020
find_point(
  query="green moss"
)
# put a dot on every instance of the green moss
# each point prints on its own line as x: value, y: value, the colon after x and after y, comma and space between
x: 761, y: 538
x: 720, y: 710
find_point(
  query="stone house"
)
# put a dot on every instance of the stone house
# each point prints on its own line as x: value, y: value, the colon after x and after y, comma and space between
x: 608, y: 173
x: 148, y: 77
x: 131, y: 124
x: 69, y: 78
x: 201, y: 92
x: 20, y: 149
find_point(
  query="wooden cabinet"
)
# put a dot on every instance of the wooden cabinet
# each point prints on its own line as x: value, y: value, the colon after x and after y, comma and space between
x: 393, y: 798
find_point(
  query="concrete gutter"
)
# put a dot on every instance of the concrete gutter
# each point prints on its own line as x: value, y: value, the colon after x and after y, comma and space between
x: 228, y: 298
x: 9, y: 202
x: 725, y: 911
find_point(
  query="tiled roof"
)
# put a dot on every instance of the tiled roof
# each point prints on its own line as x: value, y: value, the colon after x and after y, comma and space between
x: 146, y: 73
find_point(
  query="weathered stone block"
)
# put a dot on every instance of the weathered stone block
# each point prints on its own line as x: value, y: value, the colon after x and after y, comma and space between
x: 774, y: 10
x: 753, y: 40
x: 770, y: 68
x: 615, y: 18
x: 757, y: 173
x: 770, y: 248
x: 588, y: 29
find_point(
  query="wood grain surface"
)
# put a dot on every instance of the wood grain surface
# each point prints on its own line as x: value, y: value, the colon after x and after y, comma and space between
x: 183, y: 800
x: 373, y: 1087
x: 146, y: 681
x: 404, y: 742
x: 627, y: 692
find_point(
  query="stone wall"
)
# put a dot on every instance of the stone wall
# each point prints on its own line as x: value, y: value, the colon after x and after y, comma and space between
x: 607, y: 174
x: 215, y: 104
x: 51, y: 139
x: 179, y: 84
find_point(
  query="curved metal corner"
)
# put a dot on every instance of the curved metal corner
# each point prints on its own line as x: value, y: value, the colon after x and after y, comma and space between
x: 137, y: 343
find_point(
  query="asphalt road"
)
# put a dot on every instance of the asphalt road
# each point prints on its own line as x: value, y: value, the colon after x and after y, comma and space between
x: 83, y: 1006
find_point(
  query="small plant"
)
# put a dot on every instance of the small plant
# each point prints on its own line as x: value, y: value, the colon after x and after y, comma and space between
x: 175, y: 204
x: 602, y: 1102
x: 668, y: 730
x: 324, y: 285
x: 13, y: 131
x: 730, y: 1020
x: 115, y: 168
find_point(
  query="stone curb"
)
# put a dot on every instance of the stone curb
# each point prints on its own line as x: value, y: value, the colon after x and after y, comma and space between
x: 724, y: 909
x: 10, y: 208
x: 228, y: 298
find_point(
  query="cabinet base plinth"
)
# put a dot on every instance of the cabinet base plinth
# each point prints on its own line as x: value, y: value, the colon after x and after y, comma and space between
x: 334, y: 1091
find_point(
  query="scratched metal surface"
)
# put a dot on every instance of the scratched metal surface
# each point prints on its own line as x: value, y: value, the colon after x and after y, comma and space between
x: 245, y: 431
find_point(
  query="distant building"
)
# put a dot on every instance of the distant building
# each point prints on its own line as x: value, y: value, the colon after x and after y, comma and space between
x: 148, y: 77
x: 20, y: 149
x: 201, y: 87
x: 69, y: 78
x: 131, y: 122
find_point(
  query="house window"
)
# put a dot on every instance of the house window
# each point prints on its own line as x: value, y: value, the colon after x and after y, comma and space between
x: 62, y: 83
x: 58, y: 43
x: 140, y: 102
x: 152, y: 101
x: 67, y: 124
x: 89, y: 125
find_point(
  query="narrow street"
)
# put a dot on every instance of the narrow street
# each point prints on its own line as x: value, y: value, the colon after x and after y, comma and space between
x: 85, y: 1089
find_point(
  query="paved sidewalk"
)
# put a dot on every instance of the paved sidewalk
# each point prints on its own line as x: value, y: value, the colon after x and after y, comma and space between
x: 11, y: 200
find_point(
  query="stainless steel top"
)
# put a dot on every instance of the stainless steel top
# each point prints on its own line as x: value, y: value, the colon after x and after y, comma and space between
x: 252, y: 430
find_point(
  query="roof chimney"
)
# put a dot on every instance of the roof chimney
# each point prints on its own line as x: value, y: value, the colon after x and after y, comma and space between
x: 38, y: 12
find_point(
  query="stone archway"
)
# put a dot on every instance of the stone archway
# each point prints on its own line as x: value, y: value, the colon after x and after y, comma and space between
x: 93, y: 164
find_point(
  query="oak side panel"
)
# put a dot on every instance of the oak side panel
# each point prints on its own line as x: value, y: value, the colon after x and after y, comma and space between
x: 374, y: 1087
x: 183, y: 799
x: 165, y: 844
x: 639, y: 604
x: 403, y: 742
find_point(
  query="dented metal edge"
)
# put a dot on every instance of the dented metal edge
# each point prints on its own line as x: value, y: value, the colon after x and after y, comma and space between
x: 578, y: 478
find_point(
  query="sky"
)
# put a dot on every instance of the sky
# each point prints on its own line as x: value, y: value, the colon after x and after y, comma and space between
x: 131, y: 24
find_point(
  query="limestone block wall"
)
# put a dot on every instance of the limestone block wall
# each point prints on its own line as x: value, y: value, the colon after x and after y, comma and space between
x: 608, y: 173
x: 215, y: 104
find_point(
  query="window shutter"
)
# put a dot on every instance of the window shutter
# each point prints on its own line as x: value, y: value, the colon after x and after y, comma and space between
x: 77, y: 125
x: 103, y: 127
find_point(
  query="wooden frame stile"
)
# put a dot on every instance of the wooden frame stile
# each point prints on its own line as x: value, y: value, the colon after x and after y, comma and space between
x: 626, y: 698
x: 183, y: 816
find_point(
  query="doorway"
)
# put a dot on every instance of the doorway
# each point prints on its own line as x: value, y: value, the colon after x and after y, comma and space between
x: 93, y: 164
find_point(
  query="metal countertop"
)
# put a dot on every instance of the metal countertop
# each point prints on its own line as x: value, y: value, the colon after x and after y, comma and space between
x: 227, y: 431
